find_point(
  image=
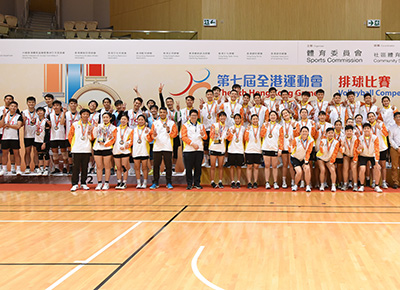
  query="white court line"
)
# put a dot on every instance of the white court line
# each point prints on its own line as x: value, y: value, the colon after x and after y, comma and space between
x: 70, y: 273
x: 197, y: 272
x: 201, y: 222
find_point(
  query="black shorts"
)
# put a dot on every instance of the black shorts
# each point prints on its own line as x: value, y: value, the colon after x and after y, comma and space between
x: 364, y: 160
x: 383, y: 155
x: 296, y: 162
x: 351, y: 158
x: 58, y: 144
x: 176, y: 144
x: 319, y: 159
x: 270, y: 153
x: 216, y: 153
x: 313, y: 155
x: 107, y: 152
x: 39, y: 147
x: 141, y: 158
x: 285, y: 152
x: 10, y: 145
x: 339, y: 161
x: 68, y: 144
x: 253, y: 158
x: 206, y: 143
x: 28, y: 142
x: 119, y: 156
x: 235, y: 159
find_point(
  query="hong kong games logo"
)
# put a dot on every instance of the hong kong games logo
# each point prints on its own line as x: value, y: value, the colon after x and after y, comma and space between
x: 194, y: 84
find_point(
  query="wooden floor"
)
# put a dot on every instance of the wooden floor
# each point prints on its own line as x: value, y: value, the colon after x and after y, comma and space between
x: 207, y: 239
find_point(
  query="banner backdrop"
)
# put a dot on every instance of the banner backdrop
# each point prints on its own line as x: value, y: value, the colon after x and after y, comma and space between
x: 94, y: 69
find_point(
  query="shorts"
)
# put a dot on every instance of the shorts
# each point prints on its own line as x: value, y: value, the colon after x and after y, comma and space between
x: 141, y: 158
x: 285, y: 152
x: 10, y: 144
x: 217, y: 153
x: 107, y: 152
x: 296, y: 162
x: 206, y: 143
x: 253, y: 158
x: 58, y: 144
x: 119, y: 156
x: 339, y: 161
x: 383, y: 155
x: 28, y: 142
x: 235, y: 159
x: 270, y: 153
x: 39, y: 147
x: 319, y: 159
x: 364, y: 160
x: 151, y: 151
x: 68, y: 144
x: 351, y: 157
x: 176, y: 145
x: 313, y: 155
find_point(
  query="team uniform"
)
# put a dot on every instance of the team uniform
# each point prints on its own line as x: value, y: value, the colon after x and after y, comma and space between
x: 387, y: 116
x: 236, y: 145
x: 231, y: 109
x: 272, y: 104
x: 208, y: 115
x: 291, y: 130
x: 253, y: 152
x: 47, y: 111
x: 218, y: 135
x: 365, y: 109
x: 10, y: 138
x: 300, y: 151
x: 133, y: 118
x: 42, y: 136
x: 70, y: 118
x: 174, y: 116
x: 101, y: 112
x: 348, y: 145
x: 319, y: 106
x: 57, y: 131
x: 106, y: 134
x: 321, y: 133
x: 140, y: 144
x: 353, y: 109
x: 379, y: 129
x: 30, y: 127
x: 339, y: 136
x: 337, y: 112
x: 123, y: 143
x: 369, y: 151
x: 246, y: 115
x: 328, y: 150
x: 394, y: 137
x: 262, y: 112
x: 307, y: 106
x: 273, y: 135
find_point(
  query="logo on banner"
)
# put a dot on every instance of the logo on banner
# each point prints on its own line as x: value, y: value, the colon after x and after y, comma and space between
x: 194, y: 85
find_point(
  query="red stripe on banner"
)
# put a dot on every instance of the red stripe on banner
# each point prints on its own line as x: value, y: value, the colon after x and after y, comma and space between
x: 95, y: 70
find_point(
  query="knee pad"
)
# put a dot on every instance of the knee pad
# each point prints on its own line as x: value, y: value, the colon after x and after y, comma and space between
x: 47, y: 156
x: 123, y: 169
x: 40, y: 156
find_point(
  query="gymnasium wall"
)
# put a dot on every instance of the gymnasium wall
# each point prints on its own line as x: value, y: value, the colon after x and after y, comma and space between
x: 261, y: 19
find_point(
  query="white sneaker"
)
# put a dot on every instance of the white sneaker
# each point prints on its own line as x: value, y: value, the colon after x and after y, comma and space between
x: 377, y: 189
x: 355, y: 187
x: 326, y: 185
x: 350, y: 184
x: 99, y: 186
x: 322, y: 187
x: 3, y: 172
x: 18, y: 172
x: 37, y: 171
x: 276, y: 186
x: 27, y: 171
x: 144, y: 185
x: 85, y: 187
x: 361, y: 188
x: 204, y: 164
x: 138, y: 185
x: 302, y: 184
x: 333, y: 188
x: 74, y: 187
x: 373, y: 184
x: 308, y: 188
x: 385, y: 185
x: 267, y: 186
x: 294, y: 187
x: 106, y: 186
x: 284, y: 185
x: 45, y: 172
x: 123, y: 186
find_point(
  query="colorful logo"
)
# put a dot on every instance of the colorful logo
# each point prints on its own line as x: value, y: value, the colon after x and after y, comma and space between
x: 194, y: 85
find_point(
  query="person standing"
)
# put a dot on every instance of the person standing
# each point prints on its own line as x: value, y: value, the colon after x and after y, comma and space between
x: 193, y: 133
x: 80, y: 137
x: 394, y: 138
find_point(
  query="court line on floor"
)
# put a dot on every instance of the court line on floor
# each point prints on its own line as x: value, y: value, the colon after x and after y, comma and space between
x: 138, y: 250
x: 197, y: 272
x: 59, y: 264
x: 77, y: 210
x: 201, y: 222
x: 70, y: 273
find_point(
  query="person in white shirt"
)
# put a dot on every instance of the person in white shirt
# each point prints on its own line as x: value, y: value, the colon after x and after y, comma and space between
x: 386, y: 114
x: 104, y: 135
x: 71, y: 116
x: 291, y: 106
x: 11, y: 122
x: 42, y: 141
x: 304, y: 103
x: 80, y: 137
x: 3, y: 111
x: 163, y: 131
x: 135, y: 112
x: 107, y: 108
x: 231, y: 108
x: 339, y: 135
x: 193, y: 133
x: 236, y: 150
x: 367, y: 107
x: 261, y: 111
x: 185, y: 112
x: 272, y: 146
x: 272, y: 103
x: 218, y: 135
x: 93, y: 119
x: 394, y: 137
x: 173, y: 115
x: 246, y: 110
x: 352, y: 106
x: 336, y: 111
x: 57, y: 137
x: 253, y: 152
x: 348, y: 143
x: 48, y: 99
x: 29, y: 116
x: 122, y: 151
x: 319, y: 104
x: 141, y: 151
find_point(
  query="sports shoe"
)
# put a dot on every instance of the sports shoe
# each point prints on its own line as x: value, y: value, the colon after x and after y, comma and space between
x: 99, y: 186
x: 138, y: 184
x: 18, y: 171
x: 249, y: 185
x: 355, y: 188
x: 302, y: 184
x: 373, y: 185
x: 189, y: 187
x: 169, y: 186
x: 144, y: 185
x: 198, y: 186
x: 255, y: 185
x: 154, y: 186
x: 27, y: 171
x: 45, y: 172
x: 326, y: 185
x: 106, y: 186
x: 3, y: 172
x: 322, y: 187
x: 118, y: 185
x: 37, y: 171
x: 284, y: 185
x: 385, y: 185
x: 333, y: 188
x: 267, y: 186
x: 123, y: 185
x: 65, y: 171
x: 350, y: 184
x: 85, y: 187
x: 56, y: 171
x: 294, y: 187
x: 367, y: 182
x: 233, y: 185
x: 237, y: 184
x: 308, y: 188
x: 75, y: 187
x: 344, y: 187
x: 361, y: 188
x: 378, y: 189
x: 214, y: 185
x: 220, y: 185
x: 276, y: 186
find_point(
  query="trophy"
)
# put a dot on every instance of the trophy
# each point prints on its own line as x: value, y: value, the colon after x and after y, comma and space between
x: 101, y: 135
x: 218, y: 136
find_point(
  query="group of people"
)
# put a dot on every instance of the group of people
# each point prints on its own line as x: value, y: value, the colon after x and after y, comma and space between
x: 341, y: 141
